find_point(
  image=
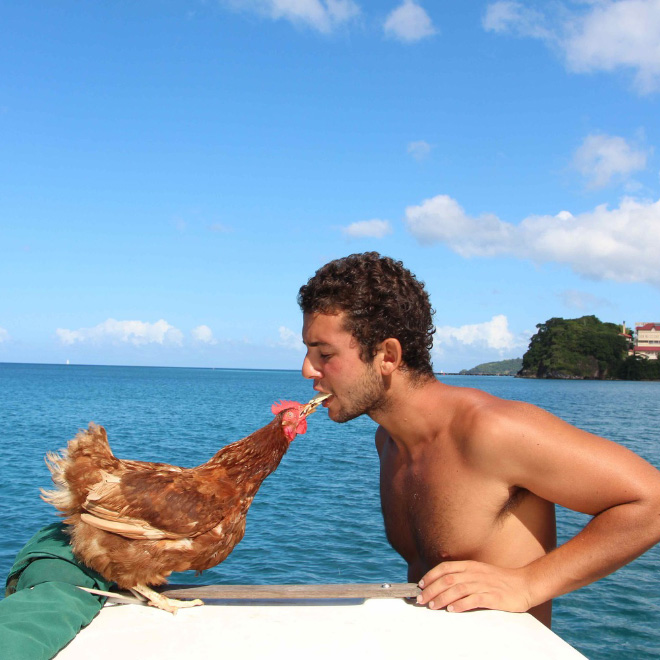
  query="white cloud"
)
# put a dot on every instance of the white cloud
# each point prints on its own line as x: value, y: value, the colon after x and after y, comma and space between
x: 619, y: 244
x: 4, y: 335
x: 419, y: 150
x: 515, y: 17
x: 493, y: 334
x: 602, y: 35
x: 321, y: 15
x: 137, y: 333
x: 342, y: 11
x: 604, y: 158
x: 368, y: 229
x: 442, y: 220
x: 203, y: 335
x: 290, y: 339
x: 409, y: 22
x: 618, y: 34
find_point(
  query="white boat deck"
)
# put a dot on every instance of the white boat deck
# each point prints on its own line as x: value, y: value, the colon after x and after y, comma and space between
x: 313, y: 628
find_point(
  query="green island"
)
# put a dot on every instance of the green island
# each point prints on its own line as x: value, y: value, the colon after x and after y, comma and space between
x: 501, y: 368
x: 585, y: 348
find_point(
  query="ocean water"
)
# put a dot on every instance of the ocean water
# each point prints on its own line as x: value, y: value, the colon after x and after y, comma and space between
x: 317, y: 518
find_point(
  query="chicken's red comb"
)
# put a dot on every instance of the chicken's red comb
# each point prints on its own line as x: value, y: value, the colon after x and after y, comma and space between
x: 284, y: 405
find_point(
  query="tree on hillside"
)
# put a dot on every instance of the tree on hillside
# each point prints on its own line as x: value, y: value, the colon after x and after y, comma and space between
x: 575, y: 348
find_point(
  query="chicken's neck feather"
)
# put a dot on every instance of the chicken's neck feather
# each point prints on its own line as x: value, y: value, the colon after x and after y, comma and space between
x: 254, y: 457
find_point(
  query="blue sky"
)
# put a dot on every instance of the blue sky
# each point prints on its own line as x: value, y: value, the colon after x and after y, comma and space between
x: 173, y: 171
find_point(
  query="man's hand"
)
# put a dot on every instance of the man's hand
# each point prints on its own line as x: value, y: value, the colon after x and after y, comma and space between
x: 468, y: 585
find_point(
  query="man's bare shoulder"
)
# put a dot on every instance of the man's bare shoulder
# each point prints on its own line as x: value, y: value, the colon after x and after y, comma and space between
x: 519, y: 443
x: 476, y: 412
x: 522, y: 445
x: 486, y: 428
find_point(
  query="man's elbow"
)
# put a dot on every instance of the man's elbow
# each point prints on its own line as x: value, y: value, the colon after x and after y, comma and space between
x: 649, y: 515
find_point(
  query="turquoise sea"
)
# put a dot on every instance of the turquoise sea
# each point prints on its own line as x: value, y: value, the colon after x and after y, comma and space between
x: 317, y: 518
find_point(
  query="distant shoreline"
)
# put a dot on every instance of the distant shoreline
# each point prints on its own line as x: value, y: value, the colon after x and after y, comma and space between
x: 438, y: 374
x: 447, y: 373
x: 148, y: 366
x: 139, y: 366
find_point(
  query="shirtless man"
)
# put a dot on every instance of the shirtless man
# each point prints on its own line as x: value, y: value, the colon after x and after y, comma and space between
x: 468, y: 480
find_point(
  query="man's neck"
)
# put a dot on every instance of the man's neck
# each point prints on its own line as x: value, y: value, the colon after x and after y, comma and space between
x: 410, y: 416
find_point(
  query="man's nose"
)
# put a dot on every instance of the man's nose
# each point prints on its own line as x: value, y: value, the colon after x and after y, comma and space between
x: 308, y: 370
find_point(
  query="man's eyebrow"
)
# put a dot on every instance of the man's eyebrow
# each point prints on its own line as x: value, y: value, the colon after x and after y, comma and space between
x: 314, y: 344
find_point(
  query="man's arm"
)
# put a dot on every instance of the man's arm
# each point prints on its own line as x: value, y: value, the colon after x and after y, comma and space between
x: 527, y: 447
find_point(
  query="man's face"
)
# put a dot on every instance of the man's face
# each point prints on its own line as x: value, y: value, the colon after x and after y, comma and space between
x: 333, y: 362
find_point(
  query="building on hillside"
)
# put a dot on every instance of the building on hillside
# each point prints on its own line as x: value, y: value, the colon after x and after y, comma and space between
x: 647, y: 340
x: 627, y: 336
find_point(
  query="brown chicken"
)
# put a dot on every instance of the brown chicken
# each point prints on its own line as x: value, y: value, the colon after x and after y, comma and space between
x: 136, y: 522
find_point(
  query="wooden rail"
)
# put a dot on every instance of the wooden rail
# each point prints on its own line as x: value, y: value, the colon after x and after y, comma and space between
x: 290, y: 591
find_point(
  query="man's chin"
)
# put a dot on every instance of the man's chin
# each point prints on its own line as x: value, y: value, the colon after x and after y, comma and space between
x: 342, y: 416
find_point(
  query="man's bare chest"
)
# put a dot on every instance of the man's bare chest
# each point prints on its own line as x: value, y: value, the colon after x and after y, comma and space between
x: 438, y: 511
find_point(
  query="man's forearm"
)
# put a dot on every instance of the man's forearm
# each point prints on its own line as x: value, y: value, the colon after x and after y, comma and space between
x: 609, y: 541
x: 612, y: 539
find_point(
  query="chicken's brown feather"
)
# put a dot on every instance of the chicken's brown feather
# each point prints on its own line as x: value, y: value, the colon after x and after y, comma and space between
x: 186, y: 502
x: 137, y: 522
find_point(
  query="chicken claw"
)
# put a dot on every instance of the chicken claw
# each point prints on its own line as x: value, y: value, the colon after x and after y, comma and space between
x: 155, y: 599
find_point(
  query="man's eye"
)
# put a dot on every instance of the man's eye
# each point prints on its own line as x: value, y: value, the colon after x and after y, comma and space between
x: 326, y: 356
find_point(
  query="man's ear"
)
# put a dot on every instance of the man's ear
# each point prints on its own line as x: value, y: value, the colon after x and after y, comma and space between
x: 391, y: 356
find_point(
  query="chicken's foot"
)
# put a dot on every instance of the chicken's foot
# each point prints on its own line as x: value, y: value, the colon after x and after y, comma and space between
x: 155, y: 599
x: 116, y: 596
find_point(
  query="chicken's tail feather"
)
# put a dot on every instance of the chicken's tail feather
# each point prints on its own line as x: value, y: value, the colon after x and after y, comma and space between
x: 67, y: 466
x: 92, y: 441
x: 60, y: 497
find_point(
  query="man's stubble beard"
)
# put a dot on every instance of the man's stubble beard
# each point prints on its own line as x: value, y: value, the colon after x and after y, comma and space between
x: 366, y: 398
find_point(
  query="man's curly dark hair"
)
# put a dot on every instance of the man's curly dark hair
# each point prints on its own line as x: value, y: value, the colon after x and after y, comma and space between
x: 380, y: 298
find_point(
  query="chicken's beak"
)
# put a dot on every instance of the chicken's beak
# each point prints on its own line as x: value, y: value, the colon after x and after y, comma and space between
x: 312, y: 404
